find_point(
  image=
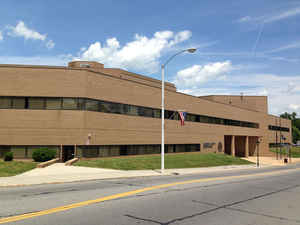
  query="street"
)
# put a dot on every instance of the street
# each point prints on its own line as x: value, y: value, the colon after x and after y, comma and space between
x: 254, y: 196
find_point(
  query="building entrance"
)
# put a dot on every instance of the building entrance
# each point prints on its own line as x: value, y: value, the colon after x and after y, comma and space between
x: 227, y: 144
x: 67, y: 152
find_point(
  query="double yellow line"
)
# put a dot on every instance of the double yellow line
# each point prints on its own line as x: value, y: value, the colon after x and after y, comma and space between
x: 129, y: 193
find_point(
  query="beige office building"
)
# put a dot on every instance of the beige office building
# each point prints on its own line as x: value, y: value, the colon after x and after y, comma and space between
x: 91, y: 111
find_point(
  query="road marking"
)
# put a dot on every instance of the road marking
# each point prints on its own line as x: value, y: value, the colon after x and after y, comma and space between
x: 129, y: 193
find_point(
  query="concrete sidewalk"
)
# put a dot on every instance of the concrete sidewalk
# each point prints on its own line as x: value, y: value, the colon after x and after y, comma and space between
x: 271, y: 161
x: 59, y: 173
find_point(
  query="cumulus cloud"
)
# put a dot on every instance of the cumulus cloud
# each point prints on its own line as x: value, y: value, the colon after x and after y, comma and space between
x: 1, y: 36
x: 50, y: 44
x: 141, y: 54
x: 283, y: 91
x: 197, y: 75
x: 21, y: 30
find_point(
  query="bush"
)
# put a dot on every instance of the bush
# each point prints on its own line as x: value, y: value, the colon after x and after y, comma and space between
x: 8, y: 156
x: 43, y: 154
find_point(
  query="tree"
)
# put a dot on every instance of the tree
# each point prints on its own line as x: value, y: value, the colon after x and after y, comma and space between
x: 296, y: 134
x: 295, y: 124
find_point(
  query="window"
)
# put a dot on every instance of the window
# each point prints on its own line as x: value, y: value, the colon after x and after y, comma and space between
x: 5, y: 102
x: 18, y: 103
x: 169, y: 114
x: 276, y: 128
x: 204, y: 119
x: 105, y: 107
x: 143, y: 111
x: 66, y: 103
x: 116, y: 108
x: 69, y: 103
x: 36, y: 103
x: 133, y: 110
x: 81, y: 104
x: 91, y: 105
x: 53, y: 103
x: 191, y: 117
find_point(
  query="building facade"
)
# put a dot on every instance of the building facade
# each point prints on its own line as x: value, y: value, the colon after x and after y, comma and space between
x: 87, y: 110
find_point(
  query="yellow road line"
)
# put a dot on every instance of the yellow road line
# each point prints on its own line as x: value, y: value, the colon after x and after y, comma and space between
x: 129, y: 193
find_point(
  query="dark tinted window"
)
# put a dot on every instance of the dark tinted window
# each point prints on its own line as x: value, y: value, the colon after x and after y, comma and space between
x: 91, y: 105
x: 53, y: 103
x: 18, y: 103
x: 69, y: 103
x: 5, y: 102
x: 36, y: 103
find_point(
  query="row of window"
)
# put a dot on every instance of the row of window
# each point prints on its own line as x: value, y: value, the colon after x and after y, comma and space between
x: 62, y: 103
x: 285, y: 129
x: 278, y: 145
x: 104, y: 150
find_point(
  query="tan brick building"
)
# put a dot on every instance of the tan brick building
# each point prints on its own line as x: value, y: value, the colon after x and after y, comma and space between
x: 92, y: 111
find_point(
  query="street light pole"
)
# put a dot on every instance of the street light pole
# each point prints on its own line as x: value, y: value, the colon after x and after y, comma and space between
x: 190, y: 50
x: 162, y: 118
x: 257, y: 152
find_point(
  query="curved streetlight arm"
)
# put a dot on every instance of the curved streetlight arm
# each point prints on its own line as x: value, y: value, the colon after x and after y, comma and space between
x: 169, y: 59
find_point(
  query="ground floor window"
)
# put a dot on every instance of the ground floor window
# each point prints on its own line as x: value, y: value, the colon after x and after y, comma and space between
x: 95, y: 151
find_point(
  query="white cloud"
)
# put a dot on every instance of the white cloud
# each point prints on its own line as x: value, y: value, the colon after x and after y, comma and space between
x: 197, y: 75
x: 141, y: 54
x: 282, y: 15
x: 1, y: 36
x: 21, y: 30
x: 294, y: 45
x: 294, y: 107
x: 245, y: 19
x: 272, y: 17
x: 50, y: 44
x: 283, y: 91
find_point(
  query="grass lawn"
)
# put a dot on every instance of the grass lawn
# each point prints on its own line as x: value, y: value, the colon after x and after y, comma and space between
x: 150, y: 162
x: 295, y: 151
x: 13, y: 168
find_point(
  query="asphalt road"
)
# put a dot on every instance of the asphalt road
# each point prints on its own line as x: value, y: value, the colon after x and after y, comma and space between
x: 256, y: 196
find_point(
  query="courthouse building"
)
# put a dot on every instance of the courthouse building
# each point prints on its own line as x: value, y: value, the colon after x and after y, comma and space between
x: 88, y: 110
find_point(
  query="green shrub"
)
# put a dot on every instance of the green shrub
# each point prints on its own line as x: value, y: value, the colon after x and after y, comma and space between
x: 8, y: 156
x: 43, y: 154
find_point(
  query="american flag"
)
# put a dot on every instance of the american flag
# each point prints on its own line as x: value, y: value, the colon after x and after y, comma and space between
x: 182, y: 117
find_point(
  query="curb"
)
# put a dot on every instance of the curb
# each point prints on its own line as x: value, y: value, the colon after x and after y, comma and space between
x: 71, y: 161
x: 47, y: 163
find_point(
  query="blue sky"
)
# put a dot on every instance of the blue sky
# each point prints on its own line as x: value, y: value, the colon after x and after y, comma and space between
x: 243, y: 46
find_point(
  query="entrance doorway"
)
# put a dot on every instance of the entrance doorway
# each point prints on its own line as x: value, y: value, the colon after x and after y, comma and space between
x: 227, y: 144
x: 67, y: 152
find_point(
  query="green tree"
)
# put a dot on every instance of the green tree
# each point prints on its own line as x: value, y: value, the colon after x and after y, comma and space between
x: 295, y: 124
x: 296, y: 134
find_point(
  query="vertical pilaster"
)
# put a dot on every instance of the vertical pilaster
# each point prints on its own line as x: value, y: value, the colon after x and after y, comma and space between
x: 233, y: 145
x: 61, y: 153
x: 247, y: 147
